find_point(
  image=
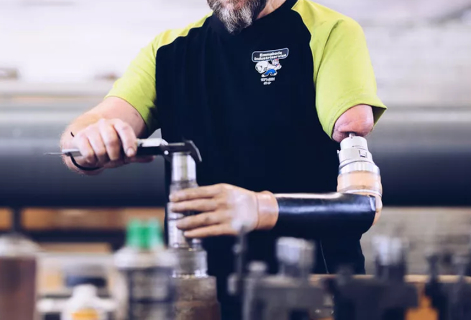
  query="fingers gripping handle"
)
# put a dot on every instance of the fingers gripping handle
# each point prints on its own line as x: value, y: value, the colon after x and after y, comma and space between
x: 152, y: 147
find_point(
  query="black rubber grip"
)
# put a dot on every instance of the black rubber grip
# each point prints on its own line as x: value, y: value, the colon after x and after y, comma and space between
x: 325, y: 215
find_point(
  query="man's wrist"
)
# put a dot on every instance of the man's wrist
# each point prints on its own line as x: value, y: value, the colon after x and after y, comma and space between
x: 267, y: 210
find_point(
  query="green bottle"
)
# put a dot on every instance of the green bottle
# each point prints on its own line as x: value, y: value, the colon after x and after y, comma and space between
x: 146, y: 269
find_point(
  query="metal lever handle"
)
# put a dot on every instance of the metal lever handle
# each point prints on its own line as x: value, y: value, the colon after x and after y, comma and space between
x: 150, y: 147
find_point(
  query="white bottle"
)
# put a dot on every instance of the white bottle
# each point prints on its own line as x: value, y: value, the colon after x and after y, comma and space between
x: 84, y: 305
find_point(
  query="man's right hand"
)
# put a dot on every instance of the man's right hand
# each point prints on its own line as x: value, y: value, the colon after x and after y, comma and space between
x: 107, y: 143
x: 106, y: 136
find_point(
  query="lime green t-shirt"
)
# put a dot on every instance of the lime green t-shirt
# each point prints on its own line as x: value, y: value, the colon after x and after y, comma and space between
x: 342, y: 73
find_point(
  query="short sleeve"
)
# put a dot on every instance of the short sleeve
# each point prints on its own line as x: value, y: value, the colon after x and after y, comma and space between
x: 137, y: 85
x: 344, y: 77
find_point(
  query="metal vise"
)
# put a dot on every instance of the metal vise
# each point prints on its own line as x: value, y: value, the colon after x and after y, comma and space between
x: 286, y: 296
x: 384, y: 297
x: 451, y: 300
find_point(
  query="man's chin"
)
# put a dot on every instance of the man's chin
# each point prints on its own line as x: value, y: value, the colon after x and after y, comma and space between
x: 236, y: 18
x: 234, y: 24
x: 234, y: 30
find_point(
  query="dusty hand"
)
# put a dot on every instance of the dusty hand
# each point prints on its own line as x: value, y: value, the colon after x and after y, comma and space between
x: 223, y: 207
x: 108, y: 143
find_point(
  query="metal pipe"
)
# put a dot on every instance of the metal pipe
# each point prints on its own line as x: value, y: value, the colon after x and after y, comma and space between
x: 189, y: 252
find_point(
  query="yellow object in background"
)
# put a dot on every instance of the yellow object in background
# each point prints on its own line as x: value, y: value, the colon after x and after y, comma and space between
x: 84, y: 305
x: 85, y: 314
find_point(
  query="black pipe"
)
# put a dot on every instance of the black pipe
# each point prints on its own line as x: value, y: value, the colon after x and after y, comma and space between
x: 325, y: 215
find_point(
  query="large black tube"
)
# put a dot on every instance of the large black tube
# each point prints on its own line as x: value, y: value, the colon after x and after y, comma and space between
x: 424, y: 156
x: 28, y: 178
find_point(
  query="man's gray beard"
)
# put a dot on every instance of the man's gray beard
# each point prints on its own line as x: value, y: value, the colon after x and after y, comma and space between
x: 237, y: 20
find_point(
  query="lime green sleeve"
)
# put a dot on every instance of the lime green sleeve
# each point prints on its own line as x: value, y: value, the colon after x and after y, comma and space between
x: 137, y: 85
x: 344, y: 76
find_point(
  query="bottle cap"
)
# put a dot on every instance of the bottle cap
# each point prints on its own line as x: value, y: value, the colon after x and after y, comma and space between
x: 154, y: 233
x: 85, y: 290
x: 17, y: 246
x: 135, y: 234
x: 144, y: 235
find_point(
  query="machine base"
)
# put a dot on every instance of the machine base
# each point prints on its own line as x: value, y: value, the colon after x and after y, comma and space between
x: 196, y: 299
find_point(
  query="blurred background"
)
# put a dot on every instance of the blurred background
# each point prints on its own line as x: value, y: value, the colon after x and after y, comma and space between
x: 59, y: 58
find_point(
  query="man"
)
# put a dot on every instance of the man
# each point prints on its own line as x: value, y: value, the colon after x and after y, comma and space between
x: 265, y: 89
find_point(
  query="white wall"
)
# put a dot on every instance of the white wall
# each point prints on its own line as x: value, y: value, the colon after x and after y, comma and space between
x: 75, y: 42
x: 72, y: 41
x: 423, y: 65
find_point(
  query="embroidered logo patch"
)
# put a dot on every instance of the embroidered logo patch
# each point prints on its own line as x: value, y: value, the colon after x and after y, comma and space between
x: 268, y: 63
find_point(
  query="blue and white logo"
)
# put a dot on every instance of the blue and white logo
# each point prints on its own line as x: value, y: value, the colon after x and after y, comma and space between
x: 268, y: 63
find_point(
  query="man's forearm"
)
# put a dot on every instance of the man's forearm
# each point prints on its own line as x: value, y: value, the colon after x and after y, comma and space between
x: 358, y: 120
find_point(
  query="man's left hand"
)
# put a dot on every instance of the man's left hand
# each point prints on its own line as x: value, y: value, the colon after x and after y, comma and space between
x: 223, y: 207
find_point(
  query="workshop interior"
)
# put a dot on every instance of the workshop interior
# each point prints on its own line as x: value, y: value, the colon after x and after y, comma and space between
x: 102, y: 247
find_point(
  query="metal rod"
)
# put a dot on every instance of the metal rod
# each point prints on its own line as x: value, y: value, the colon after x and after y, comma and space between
x: 141, y: 143
x: 16, y: 225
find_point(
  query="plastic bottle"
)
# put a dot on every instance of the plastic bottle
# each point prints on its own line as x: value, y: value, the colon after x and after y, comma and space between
x: 84, y: 305
x: 17, y: 277
x: 146, y: 273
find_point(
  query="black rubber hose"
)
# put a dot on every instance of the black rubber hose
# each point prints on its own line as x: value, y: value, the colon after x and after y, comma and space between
x: 324, y: 215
